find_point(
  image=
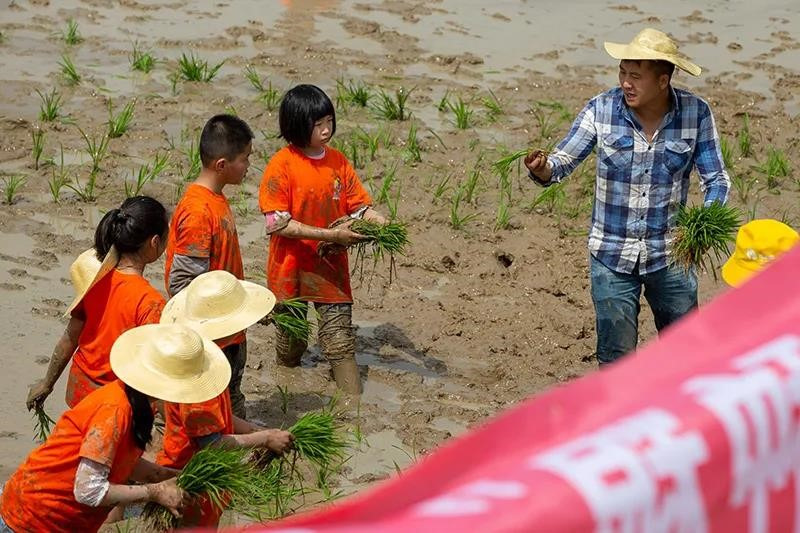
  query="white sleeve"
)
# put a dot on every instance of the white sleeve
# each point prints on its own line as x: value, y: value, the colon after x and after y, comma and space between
x: 91, y: 482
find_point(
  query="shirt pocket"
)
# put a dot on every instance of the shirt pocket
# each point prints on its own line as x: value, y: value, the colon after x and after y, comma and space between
x: 677, y: 154
x: 617, y: 151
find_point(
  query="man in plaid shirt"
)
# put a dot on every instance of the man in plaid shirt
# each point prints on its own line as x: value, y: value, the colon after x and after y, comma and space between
x: 649, y: 136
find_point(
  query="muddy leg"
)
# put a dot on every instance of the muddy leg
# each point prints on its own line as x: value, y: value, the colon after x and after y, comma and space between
x: 288, y: 350
x: 337, y: 341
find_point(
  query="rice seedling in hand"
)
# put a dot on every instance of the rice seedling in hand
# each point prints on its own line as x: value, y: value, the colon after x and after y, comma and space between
x: 319, y: 438
x: 11, y: 185
x: 776, y: 166
x: 42, y: 423
x: 462, y: 113
x: 142, y: 60
x: 504, y: 164
x: 71, y: 35
x: 191, y: 68
x: 37, y: 136
x: 50, y: 106
x: 352, y: 93
x: 700, y: 230
x: 382, y: 241
x: 393, y: 107
x: 118, y: 124
x: 69, y: 71
x: 292, y: 317
x: 745, y: 141
x: 146, y: 174
x: 96, y: 148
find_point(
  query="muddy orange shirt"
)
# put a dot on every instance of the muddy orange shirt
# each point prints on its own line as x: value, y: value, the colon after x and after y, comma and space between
x: 203, y: 226
x: 315, y: 192
x: 39, y: 495
x: 115, y: 304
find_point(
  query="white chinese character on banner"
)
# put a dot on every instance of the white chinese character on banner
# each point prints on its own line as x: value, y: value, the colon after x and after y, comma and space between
x: 759, y: 408
x: 639, y: 474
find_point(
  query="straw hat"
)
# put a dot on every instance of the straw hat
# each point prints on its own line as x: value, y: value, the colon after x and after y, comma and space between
x: 218, y: 304
x: 653, y: 45
x: 170, y: 362
x: 87, y: 270
x: 758, y: 243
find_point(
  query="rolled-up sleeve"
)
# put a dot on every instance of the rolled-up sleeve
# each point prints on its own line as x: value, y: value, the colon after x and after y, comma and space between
x: 714, y: 180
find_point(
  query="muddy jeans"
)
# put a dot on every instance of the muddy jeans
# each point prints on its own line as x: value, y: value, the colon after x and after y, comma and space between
x: 671, y: 293
x: 237, y: 357
x: 337, y: 339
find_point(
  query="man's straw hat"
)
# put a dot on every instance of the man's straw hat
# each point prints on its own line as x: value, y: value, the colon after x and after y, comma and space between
x: 758, y: 243
x: 217, y: 304
x: 653, y: 45
x: 87, y: 270
x: 170, y: 362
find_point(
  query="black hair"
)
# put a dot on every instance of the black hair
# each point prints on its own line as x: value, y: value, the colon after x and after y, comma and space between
x: 130, y: 226
x: 659, y: 66
x: 224, y: 136
x: 301, y: 107
x: 143, y: 416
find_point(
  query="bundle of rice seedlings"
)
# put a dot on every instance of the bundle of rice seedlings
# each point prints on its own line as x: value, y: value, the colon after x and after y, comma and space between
x: 319, y: 439
x: 43, y: 424
x: 292, y: 316
x: 383, y: 240
x: 700, y: 230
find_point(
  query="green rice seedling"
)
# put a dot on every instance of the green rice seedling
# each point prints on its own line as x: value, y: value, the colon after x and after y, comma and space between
x: 283, y: 392
x: 191, y: 68
x: 241, y: 203
x: 726, y: 148
x: 552, y: 198
x: 444, y: 103
x: 142, y: 60
x: 457, y: 219
x: 441, y: 187
x: 549, y: 116
x: 71, y: 35
x: 412, y: 145
x: 776, y: 166
x: 69, y: 71
x: 11, y: 185
x: 493, y: 106
x: 389, y: 177
x: 37, y: 136
x: 174, y: 78
x: 745, y: 141
x: 254, y: 78
x: 85, y: 191
x: 393, y: 107
x: 319, y: 439
x: 382, y: 241
x: 503, y: 165
x: 700, y: 230
x: 352, y: 93
x: 195, y: 163
x: 292, y: 317
x: 472, y: 180
x: 118, y: 124
x: 462, y: 114
x: 96, y: 148
x: 42, y: 423
x: 369, y: 141
x: 2, y: 37
x: 270, y: 97
x: 50, y: 107
x: 503, y: 218
x: 59, y: 178
x: 392, y: 206
x: 743, y: 184
x: 146, y: 173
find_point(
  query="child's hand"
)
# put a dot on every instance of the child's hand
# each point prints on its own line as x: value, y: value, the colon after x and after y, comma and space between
x: 345, y: 237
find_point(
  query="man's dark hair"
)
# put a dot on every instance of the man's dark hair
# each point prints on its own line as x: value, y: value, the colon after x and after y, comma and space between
x: 659, y: 66
x: 224, y: 136
x: 301, y: 107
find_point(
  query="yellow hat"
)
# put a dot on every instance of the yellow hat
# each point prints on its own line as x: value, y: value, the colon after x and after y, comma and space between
x: 171, y: 363
x: 653, y: 45
x: 87, y: 270
x: 758, y: 243
x: 218, y: 304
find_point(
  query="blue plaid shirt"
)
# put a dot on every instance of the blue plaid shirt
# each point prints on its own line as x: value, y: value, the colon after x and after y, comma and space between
x: 640, y: 185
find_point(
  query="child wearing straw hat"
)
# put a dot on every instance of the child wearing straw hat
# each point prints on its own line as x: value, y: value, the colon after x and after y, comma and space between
x: 203, y: 231
x: 649, y: 136
x: 758, y: 243
x: 217, y: 304
x: 112, y: 296
x: 71, y: 482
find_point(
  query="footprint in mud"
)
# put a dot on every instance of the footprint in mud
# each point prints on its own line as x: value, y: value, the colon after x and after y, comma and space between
x: 12, y: 287
x: 54, y: 308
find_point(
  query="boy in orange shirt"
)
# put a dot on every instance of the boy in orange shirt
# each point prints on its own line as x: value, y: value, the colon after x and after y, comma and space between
x: 202, y: 235
x: 305, y: 188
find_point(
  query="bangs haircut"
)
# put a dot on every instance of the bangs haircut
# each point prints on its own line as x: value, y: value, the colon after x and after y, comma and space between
x: 300, y: 108
x: 224, y: 137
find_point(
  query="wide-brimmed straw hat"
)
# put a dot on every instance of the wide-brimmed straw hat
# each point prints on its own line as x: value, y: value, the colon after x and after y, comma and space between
x: 758, y: 243
x: 653, y: 45
x: 170, y: 362
x: 87, y: 270
x: 218, y: 304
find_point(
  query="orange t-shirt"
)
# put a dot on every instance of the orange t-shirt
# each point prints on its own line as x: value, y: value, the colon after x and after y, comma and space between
x: 39, y: 495
x: 115, y: 304
x: 315, y: 192
x: 203, y: 226
x: 183, y: 423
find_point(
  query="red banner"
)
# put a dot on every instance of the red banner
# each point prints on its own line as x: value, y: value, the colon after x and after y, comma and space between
x: 698, y: 431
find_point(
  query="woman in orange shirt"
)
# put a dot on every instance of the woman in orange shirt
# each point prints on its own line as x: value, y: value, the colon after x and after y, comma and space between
x: 72, y: 481
x: 305, y: 188
x: 118, y: 298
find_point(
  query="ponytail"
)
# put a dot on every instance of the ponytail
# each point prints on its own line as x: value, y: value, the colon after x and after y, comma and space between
x: 142, y: 417
x: 130, y: 226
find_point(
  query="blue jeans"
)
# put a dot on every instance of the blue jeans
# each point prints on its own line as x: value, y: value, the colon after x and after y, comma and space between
x: 671, y: 293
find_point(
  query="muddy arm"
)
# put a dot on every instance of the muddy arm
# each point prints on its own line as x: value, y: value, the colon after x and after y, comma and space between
x: 62, y: 353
